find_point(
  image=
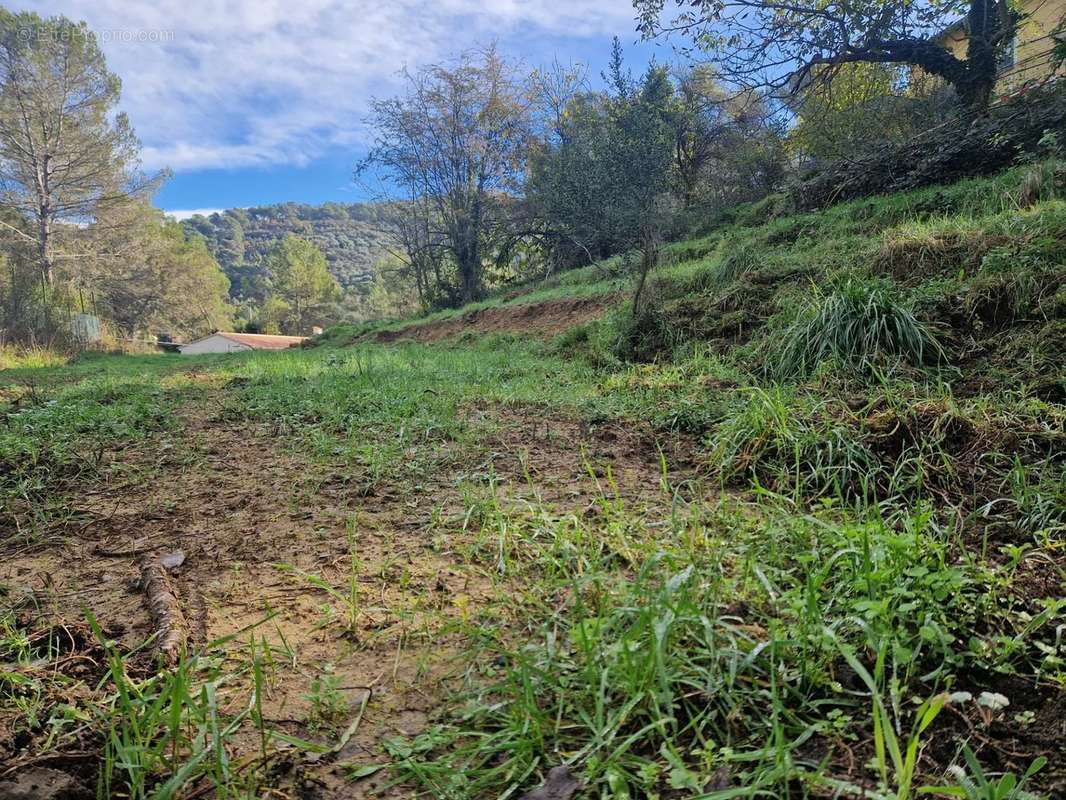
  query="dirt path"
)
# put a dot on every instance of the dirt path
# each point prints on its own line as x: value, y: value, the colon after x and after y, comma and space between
x: 263, y: 528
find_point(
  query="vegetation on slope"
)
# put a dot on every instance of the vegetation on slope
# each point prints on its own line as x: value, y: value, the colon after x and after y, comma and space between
x: 352, y: 236
x: 895, y: 367
x: 841, y: 573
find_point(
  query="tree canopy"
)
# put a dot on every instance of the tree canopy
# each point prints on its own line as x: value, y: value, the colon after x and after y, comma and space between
x: 454, y: 145
x: 865, y: 105
x: 787, y: 45
x: 152, y: 278
x: 301, y: 286
x: 64, y: 154
x: 610, y: 163
x: 598, y: 179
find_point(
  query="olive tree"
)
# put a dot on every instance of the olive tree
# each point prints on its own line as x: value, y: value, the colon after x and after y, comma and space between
x: 603, y: 179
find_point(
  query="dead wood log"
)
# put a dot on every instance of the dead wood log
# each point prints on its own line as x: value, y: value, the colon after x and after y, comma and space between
x: 170, y: 626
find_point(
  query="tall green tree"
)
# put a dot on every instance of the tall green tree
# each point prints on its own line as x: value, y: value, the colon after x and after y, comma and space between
x: 65, y: 155
x: 299, y: 279
x: 454, y: 145
x: 598, y: 180
x: 150, y: 277
x: 603, y: 180
x: 788, y: 44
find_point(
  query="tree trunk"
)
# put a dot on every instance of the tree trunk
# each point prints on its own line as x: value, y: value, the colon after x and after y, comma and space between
x: 649, y: 258
x: 468, y: 272
x: 44, y: 253
x: 975, y: 92
x: 468, y: 259
x: 47, y: 272
x: 420, y: 280
x: 989, y: 29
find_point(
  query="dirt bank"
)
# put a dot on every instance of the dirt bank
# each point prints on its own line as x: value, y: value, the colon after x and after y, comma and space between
x: 544, y: 320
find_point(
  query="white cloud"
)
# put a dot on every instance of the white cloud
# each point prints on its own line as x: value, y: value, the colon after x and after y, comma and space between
x: 184, y: 213
x: 266, y: 82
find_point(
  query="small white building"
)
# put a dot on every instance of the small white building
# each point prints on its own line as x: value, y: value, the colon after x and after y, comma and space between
x: 222, y: 342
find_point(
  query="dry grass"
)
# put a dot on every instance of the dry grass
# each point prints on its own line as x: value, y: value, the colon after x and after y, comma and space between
x: 15, y: 357
x: 912, y: 253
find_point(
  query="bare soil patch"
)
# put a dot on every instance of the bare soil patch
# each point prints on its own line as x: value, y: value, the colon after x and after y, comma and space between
x: 569, y: 463
x: 545, y: 320
x: 254, y: 517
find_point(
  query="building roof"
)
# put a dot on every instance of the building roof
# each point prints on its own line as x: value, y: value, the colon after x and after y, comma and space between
x: 258, y: 341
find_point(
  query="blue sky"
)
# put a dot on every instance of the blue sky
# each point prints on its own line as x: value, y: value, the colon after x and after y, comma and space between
x: 251, y: 102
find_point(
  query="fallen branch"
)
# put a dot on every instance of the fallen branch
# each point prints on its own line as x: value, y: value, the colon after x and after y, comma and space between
x: 104, y: 553
x: 170, y: 626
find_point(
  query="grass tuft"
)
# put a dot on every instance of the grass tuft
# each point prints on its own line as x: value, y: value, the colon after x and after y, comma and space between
x: 861, y: 325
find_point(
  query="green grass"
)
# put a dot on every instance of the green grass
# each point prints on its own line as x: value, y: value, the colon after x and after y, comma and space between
x: 866, y: 547
x: 32, y: 358
x: 52, y: 442
x: 651, y: 655
x: 819, y: 356
x: 719, y: 655
x: 859, y: 325
x: 594, y: 281
x: 376, y: 409
x: 95, y: 365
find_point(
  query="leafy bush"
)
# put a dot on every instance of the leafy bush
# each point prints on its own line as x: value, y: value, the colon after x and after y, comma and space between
x: 644, y: 335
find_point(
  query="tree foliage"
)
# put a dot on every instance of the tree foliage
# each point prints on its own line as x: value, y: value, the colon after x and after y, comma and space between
x: 613, y: 165
x: 301, y: 286
x: 77, y: 231
x: 728, y: 146
x: 65, y: 156
x: 607, y: 163
x: 154, y: 279
x: 862, y: 107
x: 454, y: 146
x: 787, y: 45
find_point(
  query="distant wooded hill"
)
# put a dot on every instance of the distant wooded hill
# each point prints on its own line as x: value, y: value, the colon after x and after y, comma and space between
x: 353, y: 237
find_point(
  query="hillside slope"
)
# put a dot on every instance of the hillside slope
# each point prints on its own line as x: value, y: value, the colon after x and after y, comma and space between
x: 897, y: 361
x: 794, y: 528
x: 353, y: 236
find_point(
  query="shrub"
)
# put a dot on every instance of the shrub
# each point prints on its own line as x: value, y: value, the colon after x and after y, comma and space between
x: 860, y: 323
x: 644, y: 335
